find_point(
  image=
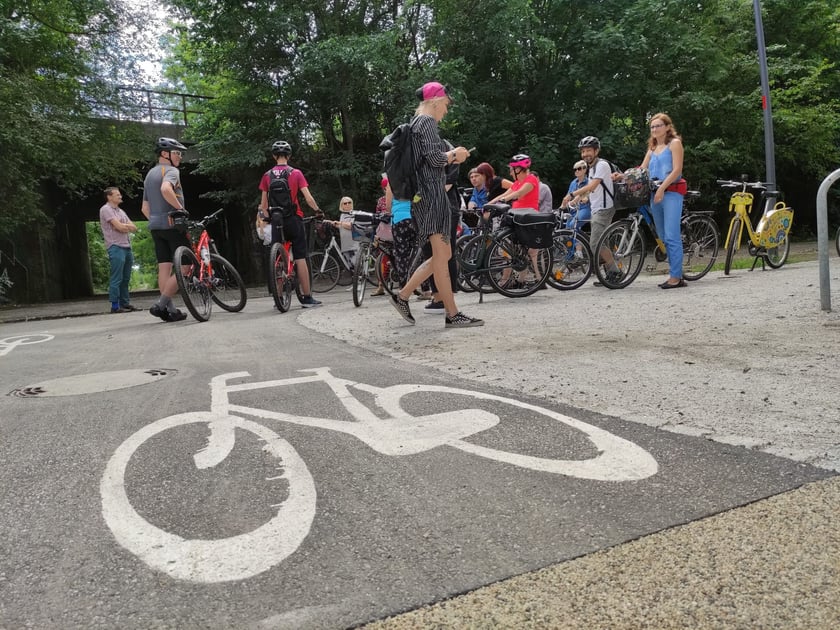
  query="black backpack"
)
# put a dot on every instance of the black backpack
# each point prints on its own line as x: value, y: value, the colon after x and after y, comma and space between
x: 613, y: 169
x: 400, y: 164
x: 280, y: 193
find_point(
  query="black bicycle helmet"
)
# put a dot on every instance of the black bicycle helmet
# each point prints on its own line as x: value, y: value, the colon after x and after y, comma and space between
x: 281, y: 147
x: 590, y: 141
x: 168, y: 144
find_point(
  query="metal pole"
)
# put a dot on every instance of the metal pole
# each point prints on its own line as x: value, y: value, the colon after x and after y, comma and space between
x: 823, y: 238
x: 769, y: 151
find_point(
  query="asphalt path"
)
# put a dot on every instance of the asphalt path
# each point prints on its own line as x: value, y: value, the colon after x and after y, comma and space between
x: 407, y: 471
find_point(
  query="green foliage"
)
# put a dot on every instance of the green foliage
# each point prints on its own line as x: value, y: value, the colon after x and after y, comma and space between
x: 53, y: 54
x: 143, y: 249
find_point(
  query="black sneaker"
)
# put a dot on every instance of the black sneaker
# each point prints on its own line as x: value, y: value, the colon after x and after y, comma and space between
x: 177, y: 316
x: 434, y: 307
x: 402, y: 308
x: 130, y: 307
x: 120, y: 309
x: 309, y: 302
x: 459, y: 320
x: 157, y: 311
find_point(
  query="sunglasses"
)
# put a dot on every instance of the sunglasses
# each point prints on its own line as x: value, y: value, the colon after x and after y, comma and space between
x: 177, y: 153
x: 580, y: 168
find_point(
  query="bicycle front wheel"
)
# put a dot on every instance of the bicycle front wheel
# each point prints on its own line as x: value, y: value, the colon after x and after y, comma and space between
x: 700, y: 246
x: 621, y: 254
x: 777, y: 256
x: 360, y: 273
x: 516, y: 270
x: 324, y: 269
x: 281, y: 281
x: 194, y: 291
x: 732, y: 245
x: 572, y: 264
x: 228, y: 289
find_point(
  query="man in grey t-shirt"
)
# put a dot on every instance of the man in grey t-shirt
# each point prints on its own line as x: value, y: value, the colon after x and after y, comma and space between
x: 600, y: 193
x: 162, y: 194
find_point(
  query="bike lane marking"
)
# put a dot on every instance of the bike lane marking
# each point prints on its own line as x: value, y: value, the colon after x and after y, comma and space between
x: 7, y: 344
x: 246, y: 555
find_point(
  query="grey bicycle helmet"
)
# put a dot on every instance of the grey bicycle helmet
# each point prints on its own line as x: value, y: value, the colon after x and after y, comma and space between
x: 281, y: 147
x: 168, y: 144
x: 590, y: 141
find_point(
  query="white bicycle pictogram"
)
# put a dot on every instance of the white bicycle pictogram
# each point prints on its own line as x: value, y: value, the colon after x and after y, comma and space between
x: 7, y: 344
x: 400, y: 433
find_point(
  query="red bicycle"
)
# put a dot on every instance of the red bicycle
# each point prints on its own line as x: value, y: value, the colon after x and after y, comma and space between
x: 283, y: 271
x: 204, y: 277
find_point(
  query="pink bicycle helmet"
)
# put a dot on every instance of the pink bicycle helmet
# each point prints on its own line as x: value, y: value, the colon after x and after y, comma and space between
x: 520, y: 160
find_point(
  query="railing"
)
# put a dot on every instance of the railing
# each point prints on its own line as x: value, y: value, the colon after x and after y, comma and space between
x: 150, y: 106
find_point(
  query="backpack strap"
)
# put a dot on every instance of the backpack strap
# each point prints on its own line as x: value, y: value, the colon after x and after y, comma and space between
x: 603, y: 185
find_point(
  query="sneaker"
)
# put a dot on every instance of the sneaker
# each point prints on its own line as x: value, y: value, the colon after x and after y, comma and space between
x: 434, y: 307
x: 402, y: 308
x: 379, y: 291
x: 157, y: 311
x: 309, y: 302
x: 120, y: 309
x: 177, y: 316
x: 130, y: 307
x: 459, y: 320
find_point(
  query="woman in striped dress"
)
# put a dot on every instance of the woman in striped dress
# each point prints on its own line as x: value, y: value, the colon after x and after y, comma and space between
x: 431, y: 208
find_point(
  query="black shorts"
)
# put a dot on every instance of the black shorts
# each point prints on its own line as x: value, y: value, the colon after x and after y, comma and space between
x: 294, y: 232
x: 166, y: 242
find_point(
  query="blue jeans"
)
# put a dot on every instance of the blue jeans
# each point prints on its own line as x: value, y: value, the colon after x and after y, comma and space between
x: 121, y: 260
x: 666, y: 217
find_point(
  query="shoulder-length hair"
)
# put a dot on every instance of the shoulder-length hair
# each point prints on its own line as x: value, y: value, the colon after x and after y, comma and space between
x: 670, y: 130
x: 485, y: 169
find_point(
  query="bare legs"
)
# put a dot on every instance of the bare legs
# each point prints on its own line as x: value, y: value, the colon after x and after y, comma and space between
x: 438, y: 265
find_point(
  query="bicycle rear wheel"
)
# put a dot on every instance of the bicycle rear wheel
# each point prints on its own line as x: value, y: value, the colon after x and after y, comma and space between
x: 364, y: 260
x: 572, y: 264
x: 517, y: 270
x: 472, y: 263
x: 700, y: 246
x: 281, y: 281
x: 732, y: 244
x: 385, y: 272
x: 194, y: 291
x: 228, y: 289
x: 777, y: 256
x: 625, y: 251
x: 324, y: 268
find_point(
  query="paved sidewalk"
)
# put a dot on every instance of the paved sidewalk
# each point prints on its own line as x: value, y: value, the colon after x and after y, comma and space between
x: 748, y: 360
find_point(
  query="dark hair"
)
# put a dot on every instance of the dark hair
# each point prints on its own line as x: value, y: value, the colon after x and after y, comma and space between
x: 485, y: 169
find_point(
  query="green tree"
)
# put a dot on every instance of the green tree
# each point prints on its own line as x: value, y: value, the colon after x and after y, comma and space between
x: 53, y: 55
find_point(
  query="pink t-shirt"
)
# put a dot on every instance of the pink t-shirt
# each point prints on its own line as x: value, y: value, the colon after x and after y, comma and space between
x: 109, y: 232
x: 296, y: 182
x: 530, y: 200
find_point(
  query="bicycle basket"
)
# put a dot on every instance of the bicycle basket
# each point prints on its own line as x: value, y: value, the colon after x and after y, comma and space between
x: 362, y: 226
x: 532, y: 228
x: 634, y: 190
x: 774, y: 226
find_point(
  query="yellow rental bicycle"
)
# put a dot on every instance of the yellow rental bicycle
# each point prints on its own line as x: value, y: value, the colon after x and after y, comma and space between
x: 769, y: 241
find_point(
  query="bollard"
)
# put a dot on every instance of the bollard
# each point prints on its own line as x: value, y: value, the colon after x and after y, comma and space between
x: 823, y: 238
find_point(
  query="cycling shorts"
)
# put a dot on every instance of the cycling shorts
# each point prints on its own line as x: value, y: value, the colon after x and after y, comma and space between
x: 166, y: 242
x: 294, y: 232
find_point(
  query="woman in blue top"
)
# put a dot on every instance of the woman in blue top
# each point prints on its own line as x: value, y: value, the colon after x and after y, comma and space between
x: 664, y: 161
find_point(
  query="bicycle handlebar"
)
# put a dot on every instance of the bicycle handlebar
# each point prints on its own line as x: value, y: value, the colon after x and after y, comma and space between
x: 202, y: 223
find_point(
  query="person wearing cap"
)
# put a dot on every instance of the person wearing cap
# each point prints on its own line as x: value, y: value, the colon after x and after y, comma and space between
x: 581, y: 210
x: 162, y: 195
x: 430, y: 210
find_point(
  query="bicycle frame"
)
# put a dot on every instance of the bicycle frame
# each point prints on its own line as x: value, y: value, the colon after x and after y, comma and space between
x: 332, y: 246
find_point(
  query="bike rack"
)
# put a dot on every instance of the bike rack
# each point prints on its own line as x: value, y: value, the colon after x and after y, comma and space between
x: 823, y: 238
